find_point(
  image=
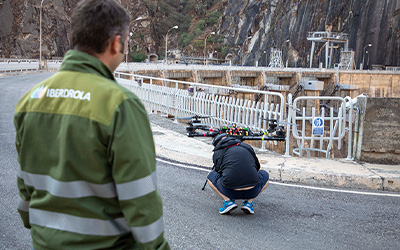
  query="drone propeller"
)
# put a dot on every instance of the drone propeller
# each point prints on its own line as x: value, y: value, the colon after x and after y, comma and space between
x: 201, y: 124
x: 190, y: 117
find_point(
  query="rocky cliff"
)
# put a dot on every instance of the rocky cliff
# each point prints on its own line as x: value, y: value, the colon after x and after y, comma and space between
x: 19, y: 31
x: 285, y: 24
x: 248, y: 28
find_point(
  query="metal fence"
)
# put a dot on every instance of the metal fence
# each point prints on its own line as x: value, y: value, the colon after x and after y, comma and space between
x: 205, y: 100
x: 310, y: 132
x: 181, y: 99
x: 26, y: 65
x: 18, y: 65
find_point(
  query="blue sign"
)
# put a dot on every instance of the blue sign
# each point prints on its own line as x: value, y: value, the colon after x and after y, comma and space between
x: 318, y: 126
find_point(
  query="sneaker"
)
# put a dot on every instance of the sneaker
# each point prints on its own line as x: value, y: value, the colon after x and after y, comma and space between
x: 248, y: 207
x: 227, y: 207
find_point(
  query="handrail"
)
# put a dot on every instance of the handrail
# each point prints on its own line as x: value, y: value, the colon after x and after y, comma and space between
x: 191, y: 101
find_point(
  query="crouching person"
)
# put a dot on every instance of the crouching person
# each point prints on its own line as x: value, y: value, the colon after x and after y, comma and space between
x: 236, y: 174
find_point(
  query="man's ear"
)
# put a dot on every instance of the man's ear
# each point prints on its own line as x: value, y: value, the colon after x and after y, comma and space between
x: 117, y: 45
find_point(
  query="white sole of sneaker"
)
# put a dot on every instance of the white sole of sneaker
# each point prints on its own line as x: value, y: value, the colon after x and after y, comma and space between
x: 247, y: 210
x: 228, y: 209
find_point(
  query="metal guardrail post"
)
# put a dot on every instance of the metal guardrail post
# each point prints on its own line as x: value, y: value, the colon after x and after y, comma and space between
x: 350, y: 128
x: 289, y: 120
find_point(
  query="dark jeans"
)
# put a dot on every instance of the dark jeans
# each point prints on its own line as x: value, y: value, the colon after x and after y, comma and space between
x: 216, y: 180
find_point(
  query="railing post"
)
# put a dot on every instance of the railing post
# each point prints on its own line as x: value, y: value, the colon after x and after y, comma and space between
x: 350, y: 135
x: 175, y: 102
x: 265, y: 121
x: 289, y: 120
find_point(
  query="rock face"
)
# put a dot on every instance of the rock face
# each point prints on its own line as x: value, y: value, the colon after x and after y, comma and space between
x: 282, y: 24
x: 19, y: 34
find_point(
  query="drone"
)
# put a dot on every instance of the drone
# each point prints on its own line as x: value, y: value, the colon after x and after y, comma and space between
x: 275, y: 131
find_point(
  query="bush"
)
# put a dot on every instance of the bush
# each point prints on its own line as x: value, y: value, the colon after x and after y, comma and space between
x: 211, y: 39
x: 185, y: 39
x: 225, y: 51
x: 137, y: 55
x: 200, y: 25
x: 212, y: 18
x: 199, y: 44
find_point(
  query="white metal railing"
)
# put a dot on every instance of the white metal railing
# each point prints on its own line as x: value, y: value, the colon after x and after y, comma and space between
x: 391, y: 68
x: 220, y: 109
x: 328, y: 35
x: 339, y: 125
x: 18, y: 65
x: 53, y: 64
x: 21, y: 65
x: 276, y: 87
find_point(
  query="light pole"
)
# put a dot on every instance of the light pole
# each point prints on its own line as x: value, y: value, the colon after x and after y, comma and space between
x: 127, y: 51
x: 241, y: 61
x: 166, y: 43
x: 287, y: 54
x: 40, y: 36
x: 362, y: 65
x: 205, y: 44
x: 130, y: 35
x: 265, y: 57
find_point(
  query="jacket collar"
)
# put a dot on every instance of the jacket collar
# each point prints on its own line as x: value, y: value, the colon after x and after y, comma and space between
x: 226, y: 142
x: 75, y: 60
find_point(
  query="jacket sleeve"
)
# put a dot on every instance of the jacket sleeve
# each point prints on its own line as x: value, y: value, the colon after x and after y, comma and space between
x: 23, y: 193
x: 258, y: 166
x: 132, y: 155
x: 23, y: 202
x: 216, y: 158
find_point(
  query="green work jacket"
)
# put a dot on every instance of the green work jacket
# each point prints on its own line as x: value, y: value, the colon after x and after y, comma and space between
x: 87, y: 177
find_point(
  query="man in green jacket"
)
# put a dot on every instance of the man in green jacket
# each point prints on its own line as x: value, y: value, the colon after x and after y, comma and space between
x: 85, y: 147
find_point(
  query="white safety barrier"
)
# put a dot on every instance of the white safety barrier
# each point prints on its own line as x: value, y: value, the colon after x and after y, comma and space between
x: 53, y: 64
x: 311, y: 129
x: 22, y: 65
x: 18, y: 65
x: 193, y: 99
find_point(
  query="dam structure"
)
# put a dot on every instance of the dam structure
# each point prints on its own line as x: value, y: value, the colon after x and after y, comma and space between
x: 297, y: 81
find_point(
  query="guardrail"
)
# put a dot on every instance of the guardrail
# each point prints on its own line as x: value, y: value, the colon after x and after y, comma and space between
x: 319, y: 140
x: 18, y: 65
x: 205, y: 100
x: 211, y: 100
x: 391, y: 68
x: 26, y: 65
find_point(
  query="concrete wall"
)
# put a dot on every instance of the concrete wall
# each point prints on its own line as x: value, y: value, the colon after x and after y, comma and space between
x: 371, y: 83
x: 374, y: 84
x: 379, y: 130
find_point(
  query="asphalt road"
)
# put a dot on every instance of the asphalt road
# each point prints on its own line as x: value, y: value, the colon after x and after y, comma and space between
x: 286, y: 217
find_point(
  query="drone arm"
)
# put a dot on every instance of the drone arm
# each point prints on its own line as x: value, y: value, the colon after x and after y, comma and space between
x: 262, y: 138
x: 197, y: 134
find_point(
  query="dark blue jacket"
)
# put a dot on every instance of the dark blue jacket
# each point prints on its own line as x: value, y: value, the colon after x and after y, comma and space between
x: 236, y: 162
